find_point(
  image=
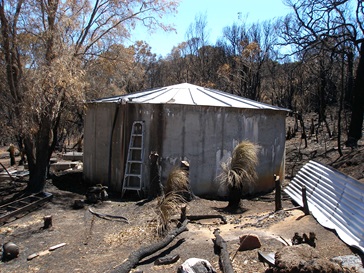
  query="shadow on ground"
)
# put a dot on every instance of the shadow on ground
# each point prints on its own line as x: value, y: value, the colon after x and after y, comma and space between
x: 70, y: 181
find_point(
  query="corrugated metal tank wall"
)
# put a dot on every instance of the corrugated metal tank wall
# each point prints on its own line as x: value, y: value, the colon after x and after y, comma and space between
x: 206, y: 136
x: 203, y: 135
x: 104, y: 164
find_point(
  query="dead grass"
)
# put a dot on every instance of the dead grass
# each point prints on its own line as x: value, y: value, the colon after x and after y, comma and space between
x: 168, y: 205
x: 177, y: 181
x: 239, y: 171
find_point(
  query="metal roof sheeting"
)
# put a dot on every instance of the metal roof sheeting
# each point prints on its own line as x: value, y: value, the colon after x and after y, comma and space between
x: 334, y: 199
x: 189, y: 94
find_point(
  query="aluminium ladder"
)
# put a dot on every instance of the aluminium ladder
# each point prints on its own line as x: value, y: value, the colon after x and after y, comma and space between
x: 133, y: 177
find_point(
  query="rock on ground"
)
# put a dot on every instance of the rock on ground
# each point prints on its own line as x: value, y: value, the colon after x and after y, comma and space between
x: 303, y: 259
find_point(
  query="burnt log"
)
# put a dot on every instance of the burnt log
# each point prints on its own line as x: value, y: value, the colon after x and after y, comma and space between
x: 167, y: 260
x: 145, y: 251
x: 221, y: 249
x: 207, y: 216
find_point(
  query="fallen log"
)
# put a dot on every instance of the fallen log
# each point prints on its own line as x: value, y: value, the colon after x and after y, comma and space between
x: 206, y: 216
x: 184, y: 216
x: 145, y: 251
x: 221, y: 249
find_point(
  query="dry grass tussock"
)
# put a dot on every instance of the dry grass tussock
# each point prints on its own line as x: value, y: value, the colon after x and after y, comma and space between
x: 168, y: 205
x: 240, y: 169
x: 177, y: 181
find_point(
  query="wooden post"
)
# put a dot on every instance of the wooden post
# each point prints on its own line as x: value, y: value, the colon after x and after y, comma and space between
x: 304, y: 200
x: 278, y: 193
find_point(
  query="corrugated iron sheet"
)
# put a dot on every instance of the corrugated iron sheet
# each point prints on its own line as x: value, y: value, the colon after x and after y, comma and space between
x: 334, y: 199
x: 189, y: 94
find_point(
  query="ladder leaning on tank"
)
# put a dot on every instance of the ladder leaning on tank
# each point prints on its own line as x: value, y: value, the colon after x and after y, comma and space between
x: 133, y: 176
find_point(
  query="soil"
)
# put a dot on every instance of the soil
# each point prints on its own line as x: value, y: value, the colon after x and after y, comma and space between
x: 95, y: 244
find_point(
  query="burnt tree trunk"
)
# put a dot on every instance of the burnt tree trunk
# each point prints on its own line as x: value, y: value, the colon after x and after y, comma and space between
x: 234, y: 197
x: 39, y: 148
x: 356, y: 123
x: 155, y: 180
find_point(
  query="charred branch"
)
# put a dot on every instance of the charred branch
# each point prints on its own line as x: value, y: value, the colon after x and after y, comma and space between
x: 145, y: 251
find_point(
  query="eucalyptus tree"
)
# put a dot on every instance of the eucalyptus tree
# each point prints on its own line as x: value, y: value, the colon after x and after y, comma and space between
x: 335, y: 26
x: 197, y: 40
x: 46, y: 46
x: 248, y: 48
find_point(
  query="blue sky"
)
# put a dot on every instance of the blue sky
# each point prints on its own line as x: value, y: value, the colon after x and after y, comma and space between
x: 219, y: 14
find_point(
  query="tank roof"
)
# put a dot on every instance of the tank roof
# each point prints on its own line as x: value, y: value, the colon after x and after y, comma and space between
x: 189, y: 94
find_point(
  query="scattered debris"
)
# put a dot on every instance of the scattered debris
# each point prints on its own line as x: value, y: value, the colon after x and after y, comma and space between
x: 109, y: 216
x: 304, y: 239
x: 11, y: 177
x: 10, y: 251
x: 145, y: 251
x: 78, y: 204
x: 207, y: 216
x: 334, y: 199
x: 45, y: 252
x: 167, y: 260
x: 89, y: 231
x: 195, y: 265
x: 96, y: 193
x: 267, y: 257
x: 351, y: 262
x: 23, y: 205
x: 302, y: 258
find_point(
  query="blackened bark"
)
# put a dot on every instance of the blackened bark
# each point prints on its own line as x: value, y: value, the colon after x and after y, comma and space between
x: 356, y: 123
x: 38, y: 164
x: 235, y: 194
x: 221, y: 249
x: 155, y: 188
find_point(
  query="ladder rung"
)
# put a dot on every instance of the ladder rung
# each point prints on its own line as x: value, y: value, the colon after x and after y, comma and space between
x: 135, y: 156
x: 132, y: 175
x: 135, y: 161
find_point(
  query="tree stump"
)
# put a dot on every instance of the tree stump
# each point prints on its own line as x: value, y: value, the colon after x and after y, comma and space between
x: 47, y: 221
